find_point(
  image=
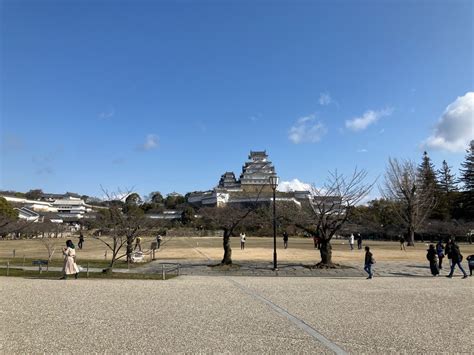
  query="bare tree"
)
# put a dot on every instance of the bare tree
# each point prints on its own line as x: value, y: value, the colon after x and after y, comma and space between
x: 50, y: 246
x: 123, y: 224
x: 330, y: 208
x: 14, y: 227
x: 403, y: 186
x: 229, y: 218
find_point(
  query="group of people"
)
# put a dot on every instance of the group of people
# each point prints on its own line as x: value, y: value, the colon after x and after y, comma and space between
x: 436, y: 254
x: 352, y: 239
x: 138, y: 242
x: 243, y: 239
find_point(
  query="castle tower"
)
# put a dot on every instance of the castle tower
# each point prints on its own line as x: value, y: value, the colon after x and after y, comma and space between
x: 256, y: 172
x: 228, y: 181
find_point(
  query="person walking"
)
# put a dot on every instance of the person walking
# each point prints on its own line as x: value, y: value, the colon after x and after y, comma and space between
x: 285, y: 239
x: 138, y: 244
x: 402, y: 242
x: 448, y: 250
x: 432, y: 257
x: 456, y: 258
x: 351, y: 241
x: 242, y: 241
x: 70, y: 266
x: 359, y: 241
x: 315, y: 240
x: 368, y: 262
x: 440, y: 253
x: 159, y: 238
x: 81, y: 241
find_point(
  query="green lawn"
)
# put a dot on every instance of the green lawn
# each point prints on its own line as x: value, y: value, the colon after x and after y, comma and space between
x: 20, y: 261
x: 55, y: 275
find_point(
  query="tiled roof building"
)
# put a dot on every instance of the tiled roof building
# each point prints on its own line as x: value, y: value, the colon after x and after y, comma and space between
x: 253, y: 184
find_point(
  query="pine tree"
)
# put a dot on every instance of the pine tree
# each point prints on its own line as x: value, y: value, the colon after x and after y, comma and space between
x: 447, y: 193
x: 467, y: 170
x: 467, y: 180
x: 446, y: 180
x: 427, y: 175
x: 428, y: 185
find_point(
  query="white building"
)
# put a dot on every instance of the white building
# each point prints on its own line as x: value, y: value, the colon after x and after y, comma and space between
x: 69, y: 206
x: 28, y: 215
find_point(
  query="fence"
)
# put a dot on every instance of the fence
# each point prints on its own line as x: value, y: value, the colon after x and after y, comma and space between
x: 169, y: 269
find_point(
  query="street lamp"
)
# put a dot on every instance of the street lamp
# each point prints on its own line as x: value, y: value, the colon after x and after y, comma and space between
x: 274, y: 183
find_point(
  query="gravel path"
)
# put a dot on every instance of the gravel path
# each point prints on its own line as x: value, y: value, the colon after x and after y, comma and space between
x: 227, y: 314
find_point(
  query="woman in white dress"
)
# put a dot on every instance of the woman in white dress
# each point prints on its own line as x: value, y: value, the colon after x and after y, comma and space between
x: 70, y: 266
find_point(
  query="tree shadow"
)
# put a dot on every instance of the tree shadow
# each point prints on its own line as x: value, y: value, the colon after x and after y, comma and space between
x: 405, y: 274
x: 418, y: 266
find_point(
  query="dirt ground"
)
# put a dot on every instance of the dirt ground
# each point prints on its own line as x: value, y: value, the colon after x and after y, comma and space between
x: 300, y: 250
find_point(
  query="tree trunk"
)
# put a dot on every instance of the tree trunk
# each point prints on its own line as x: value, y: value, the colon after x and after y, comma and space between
x: 326, y: 252
x: 112, y: 263
x: 129, y: 249
x: 411, y: 237
x: 227, y: 260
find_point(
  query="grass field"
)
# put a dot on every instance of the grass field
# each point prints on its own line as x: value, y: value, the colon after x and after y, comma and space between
x: 55, y: 275
x: 210, y: 248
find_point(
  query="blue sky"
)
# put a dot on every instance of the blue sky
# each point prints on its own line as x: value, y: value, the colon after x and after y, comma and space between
x: 168, y: 95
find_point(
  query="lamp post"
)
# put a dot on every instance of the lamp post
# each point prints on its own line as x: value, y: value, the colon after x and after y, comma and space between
x: 274, y: 183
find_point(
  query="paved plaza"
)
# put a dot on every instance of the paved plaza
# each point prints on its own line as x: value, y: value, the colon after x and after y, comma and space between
x: 238, y: 315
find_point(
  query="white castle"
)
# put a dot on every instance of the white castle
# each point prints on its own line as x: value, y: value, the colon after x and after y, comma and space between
x: 253, y: 183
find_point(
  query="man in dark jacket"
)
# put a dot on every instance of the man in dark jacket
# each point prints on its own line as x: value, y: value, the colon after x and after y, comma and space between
x: 456, y: 259
x: 81, y: 241
x: 359, y: 241
x: 369, y: 261
x: 285, y: 239
x: 440, y: 252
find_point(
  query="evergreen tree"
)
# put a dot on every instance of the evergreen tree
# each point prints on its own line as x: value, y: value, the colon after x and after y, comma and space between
x: 446, y: 180
x: 427, y: 183
x: 467, y: 170
x: 447, y: 193
x: 427, y: 175
x: 467, y: 180
x: 7, y: 211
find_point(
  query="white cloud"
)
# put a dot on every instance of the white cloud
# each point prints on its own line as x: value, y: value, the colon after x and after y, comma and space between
x: 369, y: 117
x: 324, y: 99
x: 455, y: 128
x: 107, y: 114
x: 363, y: 150
x: 151, y: 142
x: 306, y: 129
x: 293, y: 185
